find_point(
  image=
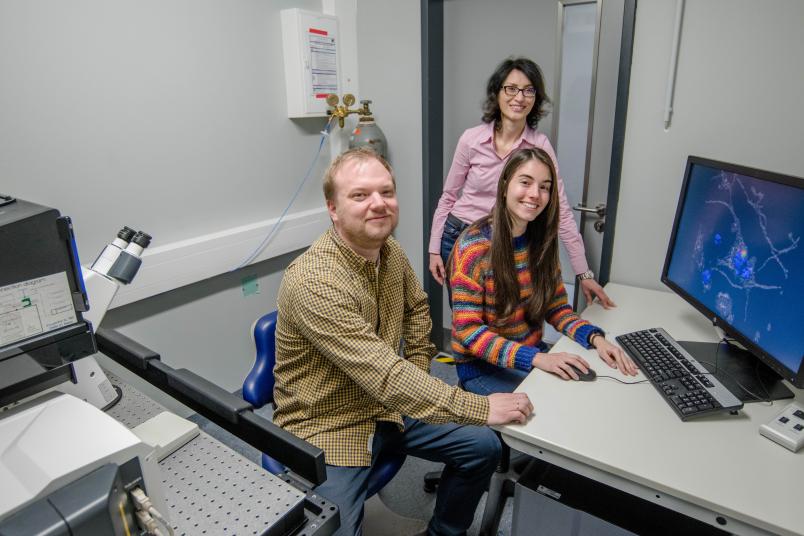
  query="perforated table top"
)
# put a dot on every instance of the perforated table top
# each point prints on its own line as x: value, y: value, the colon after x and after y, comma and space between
x: 209, y: 488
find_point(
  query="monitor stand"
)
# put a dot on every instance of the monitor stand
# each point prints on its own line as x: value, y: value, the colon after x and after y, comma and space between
x: 739, y: 370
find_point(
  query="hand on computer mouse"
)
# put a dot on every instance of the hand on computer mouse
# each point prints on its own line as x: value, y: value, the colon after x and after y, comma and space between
x: 562, y: 364
x: 584, y: 376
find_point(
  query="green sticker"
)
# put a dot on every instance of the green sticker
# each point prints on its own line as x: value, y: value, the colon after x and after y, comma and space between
x: 250, y: 285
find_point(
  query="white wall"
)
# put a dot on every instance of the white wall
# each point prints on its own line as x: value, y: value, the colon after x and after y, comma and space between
x: 478, y: 35
x: 168, y: 116
x: 738, y: 99
x: 204, y: 327
x: 389, y: 55
x: 185, y: 99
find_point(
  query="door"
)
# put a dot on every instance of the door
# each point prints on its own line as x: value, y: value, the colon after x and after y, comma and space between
x: 585, y: 108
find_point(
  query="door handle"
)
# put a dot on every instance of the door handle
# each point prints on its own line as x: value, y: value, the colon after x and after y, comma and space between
x: 600, y: 209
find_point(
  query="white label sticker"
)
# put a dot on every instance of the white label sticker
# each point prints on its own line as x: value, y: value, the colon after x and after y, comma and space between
x: 36, y: 306
x: 549, y: 492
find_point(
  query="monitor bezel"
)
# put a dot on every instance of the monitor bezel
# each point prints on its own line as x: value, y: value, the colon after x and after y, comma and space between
x: 794, y: 377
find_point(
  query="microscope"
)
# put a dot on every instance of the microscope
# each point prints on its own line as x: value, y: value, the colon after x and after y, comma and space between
x: 66, y: 467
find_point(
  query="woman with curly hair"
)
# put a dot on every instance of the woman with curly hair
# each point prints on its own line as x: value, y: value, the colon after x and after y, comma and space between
x: 515, y: 102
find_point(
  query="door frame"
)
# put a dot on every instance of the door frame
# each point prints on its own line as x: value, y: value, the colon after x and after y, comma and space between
x: 432, y: 33
x: 432, y: 50
x: 618, y: 139
x: 590, y: 119
x: 562, y: 4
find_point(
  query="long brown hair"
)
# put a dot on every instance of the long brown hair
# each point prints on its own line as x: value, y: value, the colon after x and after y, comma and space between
x: 542, y: 238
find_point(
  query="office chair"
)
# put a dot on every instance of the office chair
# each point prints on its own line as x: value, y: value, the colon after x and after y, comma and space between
x: 501, y: 486
x: 258, y: 390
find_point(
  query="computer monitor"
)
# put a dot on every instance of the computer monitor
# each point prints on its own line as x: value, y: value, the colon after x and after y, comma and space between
x: 736, y: 254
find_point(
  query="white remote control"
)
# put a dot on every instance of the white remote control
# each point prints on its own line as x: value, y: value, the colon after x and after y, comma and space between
x: 787, y: 428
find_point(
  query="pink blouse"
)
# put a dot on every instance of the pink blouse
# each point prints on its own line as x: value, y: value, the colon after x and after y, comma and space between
x: 471, y: 187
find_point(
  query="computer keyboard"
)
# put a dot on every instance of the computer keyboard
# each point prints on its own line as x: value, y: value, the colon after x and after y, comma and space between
x: 681, y: 380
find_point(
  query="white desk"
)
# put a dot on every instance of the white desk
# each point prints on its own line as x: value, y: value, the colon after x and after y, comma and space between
x: 628, y: 437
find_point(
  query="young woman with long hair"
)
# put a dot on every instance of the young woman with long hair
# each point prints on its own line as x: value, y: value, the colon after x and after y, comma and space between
x: 506, y: 282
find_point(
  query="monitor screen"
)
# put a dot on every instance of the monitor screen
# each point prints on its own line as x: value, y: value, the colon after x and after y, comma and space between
x: 736, y: 254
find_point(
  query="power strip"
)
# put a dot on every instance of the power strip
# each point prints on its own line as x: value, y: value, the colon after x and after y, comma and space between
x: 787, y: 428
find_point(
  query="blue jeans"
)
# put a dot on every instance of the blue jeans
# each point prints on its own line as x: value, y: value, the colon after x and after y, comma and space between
x: 501, y: 380
x: 452, y: 229
x: 471, y: 454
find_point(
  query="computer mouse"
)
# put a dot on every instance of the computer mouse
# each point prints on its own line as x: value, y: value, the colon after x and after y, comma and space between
x: 588, y: 377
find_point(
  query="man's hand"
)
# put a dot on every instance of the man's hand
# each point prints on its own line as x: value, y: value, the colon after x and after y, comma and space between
x: 592, y: 288
x: 437, y: 268
x: 505, y: 408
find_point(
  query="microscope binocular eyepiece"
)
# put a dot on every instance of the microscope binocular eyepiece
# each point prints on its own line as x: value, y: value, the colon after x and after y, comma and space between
x: 120, y: 260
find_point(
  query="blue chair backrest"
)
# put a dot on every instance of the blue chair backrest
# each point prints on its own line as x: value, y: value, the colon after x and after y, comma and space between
x: 258, y: 387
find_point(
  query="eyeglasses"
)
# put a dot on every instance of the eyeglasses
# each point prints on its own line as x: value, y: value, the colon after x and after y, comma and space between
x: 529, y: 92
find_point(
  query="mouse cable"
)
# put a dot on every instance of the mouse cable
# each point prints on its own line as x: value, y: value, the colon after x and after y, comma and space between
x: 619, y: 380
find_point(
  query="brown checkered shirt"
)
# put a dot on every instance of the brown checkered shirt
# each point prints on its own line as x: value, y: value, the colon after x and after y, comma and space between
x: 339, y: 336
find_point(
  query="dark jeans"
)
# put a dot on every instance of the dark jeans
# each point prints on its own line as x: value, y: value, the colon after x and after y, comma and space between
x: 502, y: 380
x: 471, y: 454
x: 452, y: 228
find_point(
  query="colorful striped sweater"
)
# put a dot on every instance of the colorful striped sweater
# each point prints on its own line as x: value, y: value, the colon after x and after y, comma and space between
x: 476, y: 341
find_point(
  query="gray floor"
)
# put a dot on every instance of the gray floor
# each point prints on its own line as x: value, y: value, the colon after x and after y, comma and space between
x: 402, y: 507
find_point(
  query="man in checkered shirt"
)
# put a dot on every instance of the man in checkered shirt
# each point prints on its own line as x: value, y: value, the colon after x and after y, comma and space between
x: 353, y: 356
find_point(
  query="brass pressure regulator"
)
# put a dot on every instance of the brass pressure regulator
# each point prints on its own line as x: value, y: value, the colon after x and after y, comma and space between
x: 341, y: 111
